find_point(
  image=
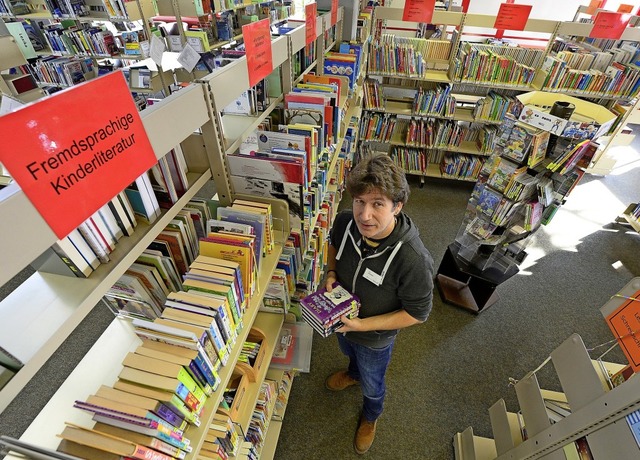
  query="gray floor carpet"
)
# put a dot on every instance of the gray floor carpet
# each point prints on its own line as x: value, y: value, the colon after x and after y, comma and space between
x: 446, y: 373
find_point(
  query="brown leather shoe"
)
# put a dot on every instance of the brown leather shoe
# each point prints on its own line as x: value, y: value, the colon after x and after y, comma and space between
x: 340, y: 380
x: 364, y: 435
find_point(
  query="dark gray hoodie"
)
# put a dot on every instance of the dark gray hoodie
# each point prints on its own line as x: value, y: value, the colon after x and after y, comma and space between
x: 398, y: 275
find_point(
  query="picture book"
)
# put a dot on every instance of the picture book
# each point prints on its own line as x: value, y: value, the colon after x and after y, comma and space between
x: 538, y: 148
x: 518, y: 144
x: 488, y: 201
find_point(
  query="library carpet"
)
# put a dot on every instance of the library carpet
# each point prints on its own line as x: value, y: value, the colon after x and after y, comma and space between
x: 447, y: 372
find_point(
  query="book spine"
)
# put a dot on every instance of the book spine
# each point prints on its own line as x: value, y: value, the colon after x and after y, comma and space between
x: 145, y: 453
x: 208, y: 373
x: 69, y: 262
x: 166, y: 448
x: 164, y: 412
x: 178, y: 406
x: 199, y: 377
x: 187, y: 380
x: 189, y: 399
x: 93, y: 242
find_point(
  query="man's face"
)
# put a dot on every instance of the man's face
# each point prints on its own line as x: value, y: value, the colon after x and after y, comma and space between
x: 375, y: 214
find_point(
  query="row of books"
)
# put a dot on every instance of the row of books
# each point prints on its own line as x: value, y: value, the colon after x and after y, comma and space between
x: 90, y: 245
x: 80, y: 39
x: 63, y: 71
x: 488, y: 64
x: 393, y: 55
x: 622, y: 80
x: 460, y: 166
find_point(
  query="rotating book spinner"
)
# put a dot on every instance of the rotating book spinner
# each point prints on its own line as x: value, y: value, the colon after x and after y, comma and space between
x: 545, y: 142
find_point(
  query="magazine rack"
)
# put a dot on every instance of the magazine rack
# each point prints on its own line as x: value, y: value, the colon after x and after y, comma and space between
x: 463, y: 284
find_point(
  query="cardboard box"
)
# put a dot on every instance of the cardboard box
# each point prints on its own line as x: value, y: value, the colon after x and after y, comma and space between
x: 587, y: 122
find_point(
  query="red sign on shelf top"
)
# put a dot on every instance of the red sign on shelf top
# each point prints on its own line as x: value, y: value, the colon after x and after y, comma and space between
x: 257, y: 42
x: 512, y: 17
x: 74, y: 151
x: 311, y: 13
x: 624, y: 322
x: 608, y: 24
x: 334, y: 12
x: 418, y: 10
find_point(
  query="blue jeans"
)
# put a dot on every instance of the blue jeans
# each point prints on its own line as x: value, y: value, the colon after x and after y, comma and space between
x: 369, y: 366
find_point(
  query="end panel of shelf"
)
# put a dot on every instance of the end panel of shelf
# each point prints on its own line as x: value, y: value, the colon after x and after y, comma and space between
x: 505, y: 432
x: 578, y: 377
x: 532, y: 405
x: 10, y: 55
x: 297, y: 37
x: 165, y: 129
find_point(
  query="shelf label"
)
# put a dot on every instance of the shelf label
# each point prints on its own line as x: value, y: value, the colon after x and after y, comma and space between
x: 257, y: 42
x: 75, y: 150
x: 310, y: 15
x: 418, y: 10
x: 512, y: 17
x: 334, y: 12
x: 624, y: 322
x: 608, y: 24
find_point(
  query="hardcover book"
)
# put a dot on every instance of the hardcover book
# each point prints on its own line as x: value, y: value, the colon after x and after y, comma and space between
x: 323, y: 309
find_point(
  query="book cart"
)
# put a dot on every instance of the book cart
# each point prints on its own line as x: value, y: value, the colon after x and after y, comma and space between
x: 41, y: 313
x: 597, y: 412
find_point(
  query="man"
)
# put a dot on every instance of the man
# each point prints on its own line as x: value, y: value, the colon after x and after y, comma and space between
x: 376, y: 253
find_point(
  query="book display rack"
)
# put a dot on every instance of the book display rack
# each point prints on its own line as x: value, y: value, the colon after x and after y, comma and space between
x: 37, y: 325
x: 520, y: 187
x: 632, y: 216
x: 596, y: 410
x: 434, y: 104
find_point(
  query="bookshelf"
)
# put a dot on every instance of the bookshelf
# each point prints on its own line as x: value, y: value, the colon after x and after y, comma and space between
x: 597, y: 412
x: 630, y: 215
x: 206, y: 136
x: 456, y: 27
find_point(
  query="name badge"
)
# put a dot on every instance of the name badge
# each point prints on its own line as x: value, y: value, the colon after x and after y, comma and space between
x: 373, y: 277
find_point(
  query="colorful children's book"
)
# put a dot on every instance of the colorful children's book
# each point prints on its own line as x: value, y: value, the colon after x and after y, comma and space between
x: 323, y: 309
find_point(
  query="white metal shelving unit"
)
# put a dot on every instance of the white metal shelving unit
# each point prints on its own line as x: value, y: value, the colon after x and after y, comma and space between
x: 596, y: 412
x: 41, y: 313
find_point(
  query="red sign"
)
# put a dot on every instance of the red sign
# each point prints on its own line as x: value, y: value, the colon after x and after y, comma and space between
x: 74, y: 151
x: 310, y: 12
x: 334, y: 12
x: 418, y: 10
x: 593, y: 6
x: 624, y: 322
x: 257, y: 42
x: 608, y: 24
x: 624, y: 8
x: 512, y: 16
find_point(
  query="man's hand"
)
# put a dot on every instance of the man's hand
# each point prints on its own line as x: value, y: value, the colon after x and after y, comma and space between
x: 331, y: 278
x: 349, y: 325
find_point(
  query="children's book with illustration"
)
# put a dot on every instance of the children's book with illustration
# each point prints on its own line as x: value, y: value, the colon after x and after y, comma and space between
x: 322, y: 309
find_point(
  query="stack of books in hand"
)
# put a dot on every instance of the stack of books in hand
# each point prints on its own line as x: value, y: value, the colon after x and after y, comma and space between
x: 322, y: 310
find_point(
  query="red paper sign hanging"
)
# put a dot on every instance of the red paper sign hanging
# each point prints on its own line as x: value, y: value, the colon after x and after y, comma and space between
x: 593, y: 6
x: 418, y: 10
x: 624, y: 8
x: 310, y: 12
x: 75, y: 150
x: 608, y: 24
x: 624, y: 322
x: 257, y: 42
x: 334, y: 12
x: 512, y: 17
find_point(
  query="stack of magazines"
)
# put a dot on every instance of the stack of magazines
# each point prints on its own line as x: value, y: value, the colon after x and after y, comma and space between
x: 322, y: 310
